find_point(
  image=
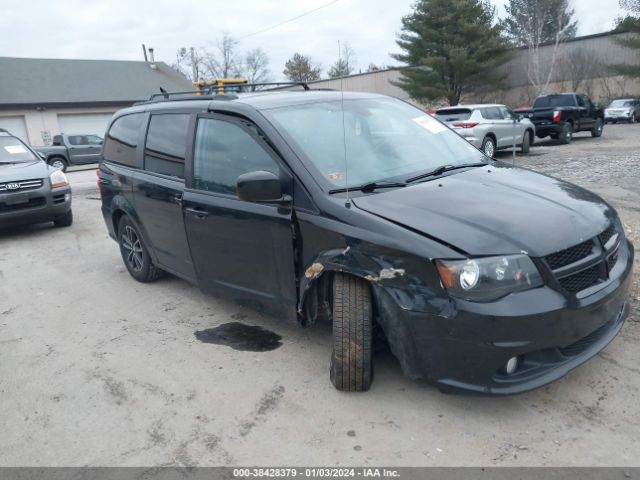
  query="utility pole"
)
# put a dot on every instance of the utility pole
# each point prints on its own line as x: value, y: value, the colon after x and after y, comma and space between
x: 194, y: 68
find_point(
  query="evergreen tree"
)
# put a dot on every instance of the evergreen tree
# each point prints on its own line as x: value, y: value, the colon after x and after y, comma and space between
x: 450, y: 47
x: 630, y: 23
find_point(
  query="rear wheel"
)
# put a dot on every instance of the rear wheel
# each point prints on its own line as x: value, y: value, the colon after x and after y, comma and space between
x: 566, y: 135
x: 526, y: 143
x: 58, y: 162
x: 64, y: 220
x: 489, y: 147
x: 351, y: 365
x: 135, y: 254
x: 597, y: 129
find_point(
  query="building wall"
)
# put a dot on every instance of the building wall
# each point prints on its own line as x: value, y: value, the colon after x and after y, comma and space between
x: 43, y: 124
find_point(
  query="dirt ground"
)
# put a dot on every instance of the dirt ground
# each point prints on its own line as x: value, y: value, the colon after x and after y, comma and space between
x: 98, y: 370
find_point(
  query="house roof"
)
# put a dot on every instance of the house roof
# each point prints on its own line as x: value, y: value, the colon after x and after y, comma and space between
x: 40, y: 81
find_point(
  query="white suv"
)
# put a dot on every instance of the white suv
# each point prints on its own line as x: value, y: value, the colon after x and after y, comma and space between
x: 489, y: 127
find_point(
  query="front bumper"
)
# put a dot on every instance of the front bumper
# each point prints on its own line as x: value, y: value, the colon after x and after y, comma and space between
x: 609, y: 117
x: 467, y: 350
x: 43, y: 204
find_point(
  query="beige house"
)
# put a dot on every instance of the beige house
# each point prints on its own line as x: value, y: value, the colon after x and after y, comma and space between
x: 40, y: 98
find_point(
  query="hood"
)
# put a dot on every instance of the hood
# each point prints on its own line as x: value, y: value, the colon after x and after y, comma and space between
x: 495, y: 210
x: 14, y: 172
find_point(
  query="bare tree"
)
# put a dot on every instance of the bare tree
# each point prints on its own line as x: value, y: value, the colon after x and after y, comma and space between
x: 223, y: 61
x: 256, y: 66
x: 540, y: 70
x: 345, y: 65
x: 577, y: 67
x: 190, y: 63
x: 374, y: 68
x: 301, y: 68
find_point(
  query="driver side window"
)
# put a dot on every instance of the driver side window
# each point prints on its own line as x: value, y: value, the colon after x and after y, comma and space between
x: 224, y: 151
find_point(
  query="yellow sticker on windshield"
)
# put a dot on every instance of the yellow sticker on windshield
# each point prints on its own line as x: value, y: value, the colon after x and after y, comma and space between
x: 15, y: 149
x: 429, y: 123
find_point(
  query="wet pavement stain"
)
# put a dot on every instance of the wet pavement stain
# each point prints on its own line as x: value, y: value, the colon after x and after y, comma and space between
x: 246, y: 338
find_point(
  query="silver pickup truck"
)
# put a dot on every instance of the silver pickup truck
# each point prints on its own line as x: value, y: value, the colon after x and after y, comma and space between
x: 72, y: 150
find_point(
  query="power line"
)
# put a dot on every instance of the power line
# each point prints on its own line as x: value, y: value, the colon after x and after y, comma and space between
x: 289, y: 20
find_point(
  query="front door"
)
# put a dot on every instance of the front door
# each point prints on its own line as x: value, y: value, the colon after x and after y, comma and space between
x: 241, y: 250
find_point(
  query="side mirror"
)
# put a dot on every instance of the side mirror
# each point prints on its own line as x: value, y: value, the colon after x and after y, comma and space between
x: 260, y: 187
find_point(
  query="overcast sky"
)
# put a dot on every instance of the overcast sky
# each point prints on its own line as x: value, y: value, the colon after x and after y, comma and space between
x: 115, y: 29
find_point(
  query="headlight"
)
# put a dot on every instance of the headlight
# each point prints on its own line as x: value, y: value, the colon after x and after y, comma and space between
x: 488, y: 278
x: 58, y: 179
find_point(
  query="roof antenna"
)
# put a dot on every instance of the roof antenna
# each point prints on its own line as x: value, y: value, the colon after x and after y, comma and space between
x: 347, y: 203
x: 165, y: 93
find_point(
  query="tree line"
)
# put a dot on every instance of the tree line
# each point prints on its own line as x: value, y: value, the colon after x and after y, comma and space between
x: 448, y: 48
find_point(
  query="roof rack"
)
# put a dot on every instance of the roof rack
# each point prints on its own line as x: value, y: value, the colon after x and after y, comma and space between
x: 211, y: 92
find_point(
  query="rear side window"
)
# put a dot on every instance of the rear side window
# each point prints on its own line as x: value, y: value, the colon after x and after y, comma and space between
x: 453, y: 114
x: 122, y: 139
x: 491, y: 113
x: 223, y: 152
x: 77, y: 140
x: 166, y: 145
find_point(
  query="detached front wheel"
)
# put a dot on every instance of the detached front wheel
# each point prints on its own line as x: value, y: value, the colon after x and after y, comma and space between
x: 351, y: 365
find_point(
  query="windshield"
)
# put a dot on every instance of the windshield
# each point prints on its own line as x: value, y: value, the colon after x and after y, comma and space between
x: 555, y: 101
x: 621, y: 103
x: 12, y: 150
x: 385, y: 140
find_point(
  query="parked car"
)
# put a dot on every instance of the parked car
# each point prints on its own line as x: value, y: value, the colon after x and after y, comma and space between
x: 72, y: 150
x: 30, y: 190
x: 362, y: 210
x: 561, y: 115
x: 623, y: 110
x: 489, y: 127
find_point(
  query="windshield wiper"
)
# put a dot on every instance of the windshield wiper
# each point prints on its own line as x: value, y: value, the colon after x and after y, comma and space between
x: 370, y: 187
x: 442, y: 169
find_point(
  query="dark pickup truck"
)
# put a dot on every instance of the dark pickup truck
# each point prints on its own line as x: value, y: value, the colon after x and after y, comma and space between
x: 72, y: 150
x: 561, y: 115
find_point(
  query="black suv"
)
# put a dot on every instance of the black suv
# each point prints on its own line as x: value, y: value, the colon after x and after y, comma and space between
x: 361, y: 210
x: 30, y: 190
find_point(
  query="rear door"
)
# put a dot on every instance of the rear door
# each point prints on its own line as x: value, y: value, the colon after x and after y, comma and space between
x: 159, y: 188
x: 498, y: 125
x: 241, y: 250
x: 84, y: 149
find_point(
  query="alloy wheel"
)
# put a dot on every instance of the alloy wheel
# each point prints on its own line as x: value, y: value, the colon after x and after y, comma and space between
x: 131, y: 243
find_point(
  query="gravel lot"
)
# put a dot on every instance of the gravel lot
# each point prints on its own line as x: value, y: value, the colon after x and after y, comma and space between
x: 96, y: 369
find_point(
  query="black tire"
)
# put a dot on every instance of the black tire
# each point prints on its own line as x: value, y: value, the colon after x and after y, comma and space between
x: 526, y: 143
x: 597, y: 128
x: 351, y: 365
x: 58, y: 162
x: 489, y: 147
x: 566, y: 135
x: 65, y: 220
x: 135, y: 254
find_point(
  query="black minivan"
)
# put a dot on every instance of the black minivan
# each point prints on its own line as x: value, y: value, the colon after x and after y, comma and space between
x: 363, y: 211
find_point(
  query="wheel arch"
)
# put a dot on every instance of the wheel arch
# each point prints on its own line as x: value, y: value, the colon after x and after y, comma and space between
x: 120, y: 208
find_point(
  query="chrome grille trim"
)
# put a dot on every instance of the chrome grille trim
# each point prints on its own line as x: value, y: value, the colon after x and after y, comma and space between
x: 22, y: 185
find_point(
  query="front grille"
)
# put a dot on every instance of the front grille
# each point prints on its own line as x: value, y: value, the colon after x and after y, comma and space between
x: 607, y: 234
x: 32, y: 203
x: 22, y: 186
x: 569, y: 255
x: 612, y: 260
x: 584, y: 343
x: 581, y: 280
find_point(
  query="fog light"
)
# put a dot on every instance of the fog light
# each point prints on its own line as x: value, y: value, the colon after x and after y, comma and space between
x: 67, y: 197
x: 511, y: 365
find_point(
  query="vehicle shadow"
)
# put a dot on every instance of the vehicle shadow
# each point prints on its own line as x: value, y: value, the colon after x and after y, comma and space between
x: 18, y: 232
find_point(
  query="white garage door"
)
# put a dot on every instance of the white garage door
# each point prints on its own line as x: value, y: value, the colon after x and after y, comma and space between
x: 16, y: 126
x: 95, y: 123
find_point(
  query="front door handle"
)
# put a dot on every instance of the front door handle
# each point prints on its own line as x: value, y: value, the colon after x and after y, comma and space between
x: 198, y: 213
x: 177, y: 199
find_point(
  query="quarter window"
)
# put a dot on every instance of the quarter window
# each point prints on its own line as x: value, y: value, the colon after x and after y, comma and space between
x: 122, y: 139
x: 166, y: 146
x: 223, y: 152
